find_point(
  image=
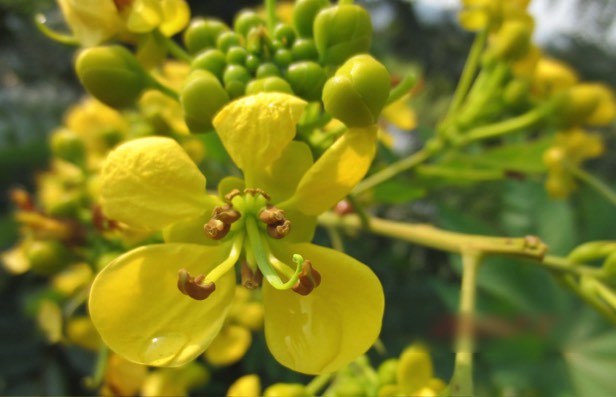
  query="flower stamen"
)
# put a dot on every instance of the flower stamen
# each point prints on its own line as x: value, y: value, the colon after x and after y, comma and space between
x: 309, y: 278
x: 250, y: 279
x: 194, y: 286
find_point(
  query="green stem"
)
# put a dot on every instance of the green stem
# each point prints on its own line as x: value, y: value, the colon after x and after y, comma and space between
x: 569, y: 282
x: 270, y: 7
x: 318, y: 383
x: 157, y: 85
x: 461, y: 383
x: 592, y: 181
x: 99, y: 371
x: 504, y: 127
x: 391, y: 171
x: 428, y: 235
x: 562, y: 265
x: 174, y: 48
x: 401, y: 89
x: 466, y: 79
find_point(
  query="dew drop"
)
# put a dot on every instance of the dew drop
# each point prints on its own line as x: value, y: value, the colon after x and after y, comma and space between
x: 163, y: 349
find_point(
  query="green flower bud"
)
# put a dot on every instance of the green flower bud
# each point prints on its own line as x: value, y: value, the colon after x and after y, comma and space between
x: 268, y: 84
x: 247, y: 20
x: 237, y: 55
x: 304, y: 12
x: 591, y: 251
x: 202, y: 97
x: 227, y: 40
x: 387, y: 371
x: 202, y: 34
x: 212, y: 60
x: 283, y: 57
x: 112, y: 75
x: 307, y: 79
x: 516, y: 92
x: 512, y: 41
x: 236, y: 73
x: 284, y: 34
x: 286, y: 390
x: 252, y: 63
x: 68, y: 146
x: 357, y: 92
x: 349, y: 387
x: 580, y: 103
x: 341, y: 32
x: 267, y: 69
x: 47, y: 257
x: 304, y: 50
x: 235, y: 88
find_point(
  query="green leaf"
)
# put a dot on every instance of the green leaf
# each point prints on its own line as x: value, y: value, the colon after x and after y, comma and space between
x: 397, y: 192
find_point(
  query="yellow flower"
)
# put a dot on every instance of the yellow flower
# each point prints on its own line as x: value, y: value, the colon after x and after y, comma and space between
x: 143, y: 16
x: 490, y: 14
x: 175, y: 381
x: 151, y: 183
x: 570, y: 149
x: 92, y: 21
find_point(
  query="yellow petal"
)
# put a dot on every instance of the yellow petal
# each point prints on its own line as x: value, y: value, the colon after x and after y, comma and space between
x: 92, y: 21
x: 414, y: 369
x: 400, y: 114
x: 140, y: 313
x: 256, y: 129
x: 189, y: 231
x: 144, y: 16
x: 14, y: 260
x: 474, y: 19
x: 337, y: 322
x: 123, y: 377
x: 81, y: 332
x: 176, y: 14
x: 229, y: 346
x: 151, y: 182
x: 49, y: 318
x: 280, y: 179
x: 335, y: 173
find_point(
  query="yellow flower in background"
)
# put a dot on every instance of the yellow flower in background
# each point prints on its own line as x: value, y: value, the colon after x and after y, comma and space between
x: 552, y: 76
x: 143, y: 16
x: 320, y: 313
x: 490, y: 14
x: 122, y: 377
x: 175, y: 382
x: 245, y: 386
x: 92, y: 21
x: 414, y: 375
x: 570, y: 149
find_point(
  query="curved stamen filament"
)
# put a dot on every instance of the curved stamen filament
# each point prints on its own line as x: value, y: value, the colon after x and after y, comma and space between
x: 262, y: 254
x: 227, y: 264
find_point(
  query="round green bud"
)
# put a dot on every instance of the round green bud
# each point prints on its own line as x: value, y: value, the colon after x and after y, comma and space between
x: 47, y: 257
x: 285, y: 34
x: 307, y: 79
x: 349, y: 387
x: 237, y: 55
x: 267, y: 69
x: 304, y: 50
x: 227, y: 40
x: 591, y: 251
x: 268, y: 84
x: 202, y: 96
x: 245, y: 21
x: 341, y: 32
x: 235, y: 88
x: 283, y: 57
x: 112, y: 75
x: 68, y: 146
x: 212, y: 60
x: 202, y: 34
x: 358, y: 91
x: 252, y: 63
x: 304, y: 12
x: 387, y: 371
x: 236, y: 73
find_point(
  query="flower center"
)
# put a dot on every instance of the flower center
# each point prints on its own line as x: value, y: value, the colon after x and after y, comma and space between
x: 249, y: 217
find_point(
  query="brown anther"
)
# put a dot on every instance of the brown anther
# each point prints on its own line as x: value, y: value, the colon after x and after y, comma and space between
x: 193, y: 287
x: 226, y: 214
x: 216, y: 229
x: 22, y: 199
x: 309, y: 279
x: 255, y: 191
x: 229, y: 196
x: 250, y: 279
x: 270, y: 215
x: 280, y: 229
x: 122, y: 4
x: 101, y: 222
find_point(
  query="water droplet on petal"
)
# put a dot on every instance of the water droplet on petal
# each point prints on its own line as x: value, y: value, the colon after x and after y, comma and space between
x: 163, y: 349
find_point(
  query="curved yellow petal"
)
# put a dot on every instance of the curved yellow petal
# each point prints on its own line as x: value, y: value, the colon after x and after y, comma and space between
x: 176, y: 15
x: 336, y: 172
x: 151, y: 182
x: 92, y: 21
x: 280, y: 179
x: 140, y: 314
x: 255, y: 129
x: 229, y: 346
x: 337, y: 322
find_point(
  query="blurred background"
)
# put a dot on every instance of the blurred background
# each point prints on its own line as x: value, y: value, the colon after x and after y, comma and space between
x: 558, y: 347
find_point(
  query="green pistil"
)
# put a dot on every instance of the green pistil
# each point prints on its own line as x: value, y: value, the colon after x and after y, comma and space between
x: 262, y: 255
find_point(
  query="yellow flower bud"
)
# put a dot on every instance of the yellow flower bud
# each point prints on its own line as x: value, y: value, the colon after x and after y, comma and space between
x: 286, y: 390
x: 246, y: 386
